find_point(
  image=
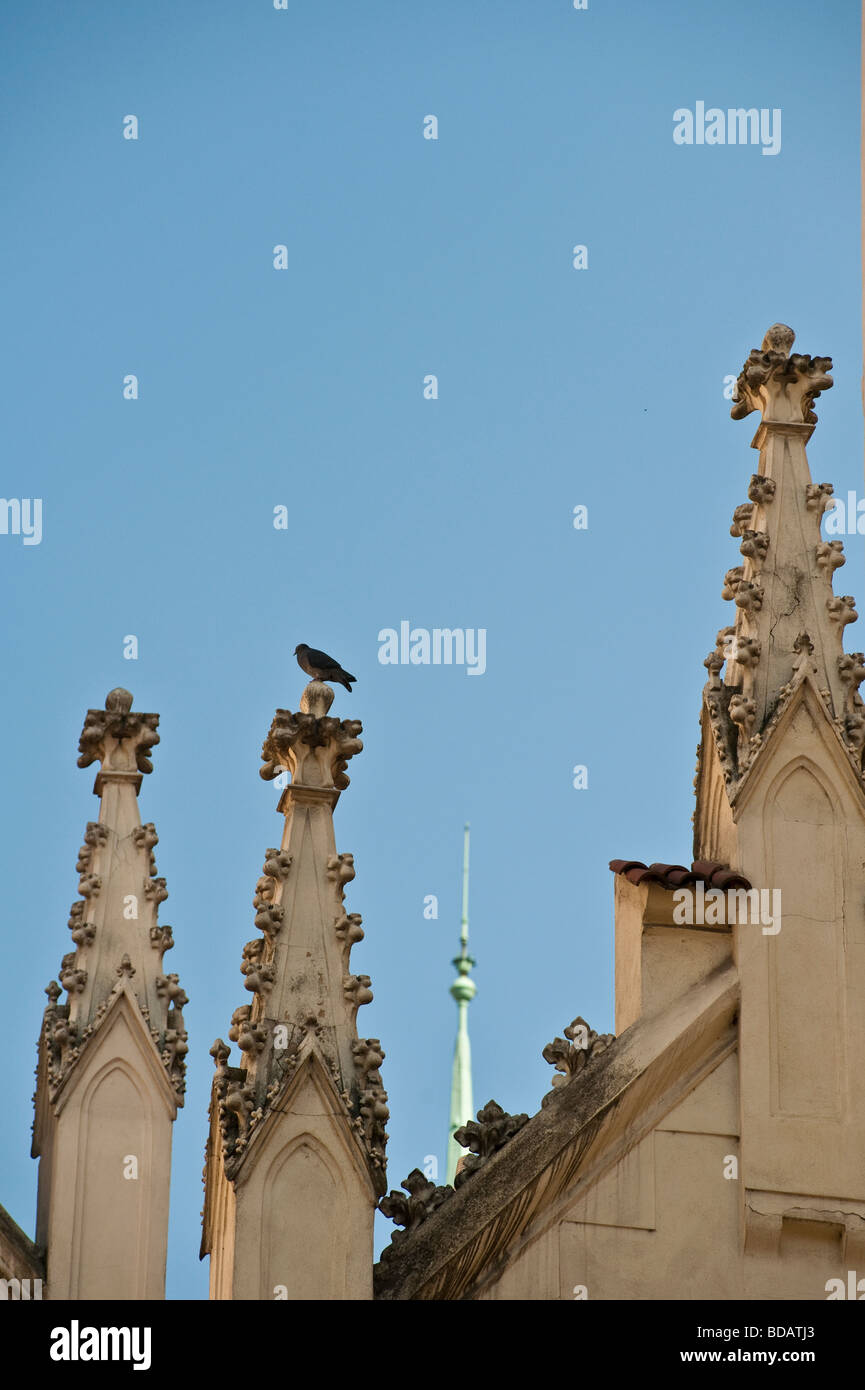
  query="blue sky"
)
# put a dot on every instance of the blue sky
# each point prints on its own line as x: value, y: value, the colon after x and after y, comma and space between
x: 304, y: 388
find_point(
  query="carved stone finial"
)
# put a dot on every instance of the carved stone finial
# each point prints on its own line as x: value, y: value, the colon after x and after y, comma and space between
x: 314, y: 749
x: 781, y: 384
x: 316, y: 699
x: 713, y: 664
x: 118, y: 738
x: 118, y: 700
x: 778, y: 338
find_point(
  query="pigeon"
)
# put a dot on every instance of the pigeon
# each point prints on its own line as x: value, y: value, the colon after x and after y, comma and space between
x: 321, y: 666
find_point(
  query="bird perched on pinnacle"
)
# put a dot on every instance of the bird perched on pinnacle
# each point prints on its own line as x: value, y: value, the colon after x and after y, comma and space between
x: 321, y: 666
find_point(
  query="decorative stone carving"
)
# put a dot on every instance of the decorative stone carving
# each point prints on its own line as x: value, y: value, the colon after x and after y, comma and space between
x: 761, y: 489
x: 732, y: 579
x: 276, y: 869
x: 95, y: 835
x: 250, y: 1037
x: 754, y: 546
x: 749, y: 596
x: 356, y: 989
x: 316, y: 699
x: 818, y: 497
x: 804, y: 649
x: 372, y: 1098
x: 743, y: 711
x: 268, y: 916
x: 830, y: 556
x: 741, y: 518
x: 175, y: 1050
x: 83, y: 933
x: 259, y: 974
x: 723, y: 729
x: 781, y: 385
x: 127, y: 968
x: 293, y: 739
x: 72, y: 979
x: 89, y: 885
x: 348, y: 928
x: 340, y: 867
x: 412, y: 1211
x: 571, y: 1057
x: 161, y: 938
x: 745, y: 650
x: 714, y: 663
x: 851, y: 669
x: 842, y: 609
x: 485, y: 1136
x: 155, y: 890
x: 145, y: 837
x: 235, y: 1099
x: 168, y: 987
x: 115, y: 736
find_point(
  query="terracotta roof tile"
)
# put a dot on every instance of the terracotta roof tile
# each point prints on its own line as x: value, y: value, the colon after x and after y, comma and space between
x: 671, y: 876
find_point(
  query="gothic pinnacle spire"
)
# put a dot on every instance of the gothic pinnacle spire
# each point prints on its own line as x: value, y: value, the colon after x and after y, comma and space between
x: 789, y: 624
x: 306, y: 1095
x: 112, y: 1057
x: 115, y: 928
x: 463, y: 990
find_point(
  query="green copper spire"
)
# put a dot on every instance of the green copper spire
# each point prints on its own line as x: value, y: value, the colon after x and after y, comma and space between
x: 463, y: 991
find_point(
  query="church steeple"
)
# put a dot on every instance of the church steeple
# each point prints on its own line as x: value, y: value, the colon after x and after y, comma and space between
x: 112, y: 1057
x: 463, y: 990
x: 296, y: 1155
